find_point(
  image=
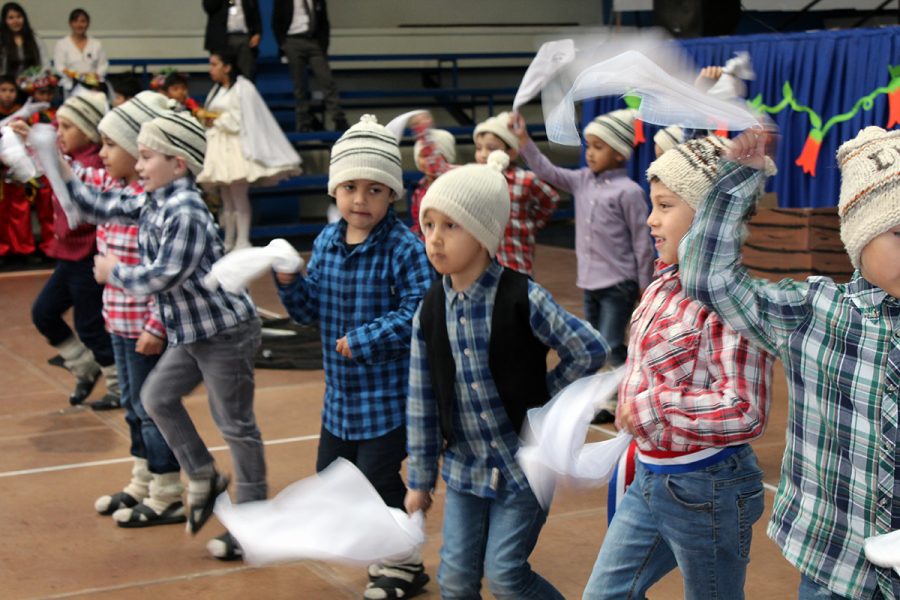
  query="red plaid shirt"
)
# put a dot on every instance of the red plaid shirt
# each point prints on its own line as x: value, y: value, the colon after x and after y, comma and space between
x: 531, y: 203
x: 692, y: 382
x: 125, y: 315
x: 418, y: 194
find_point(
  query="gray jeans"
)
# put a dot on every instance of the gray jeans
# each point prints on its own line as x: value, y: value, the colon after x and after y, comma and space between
x: 224, y: 363
x: 300, y: 53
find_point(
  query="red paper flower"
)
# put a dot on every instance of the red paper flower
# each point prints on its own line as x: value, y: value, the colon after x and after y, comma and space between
x: 894, y: 107
x: 810, y: 154
x: 639, y: 137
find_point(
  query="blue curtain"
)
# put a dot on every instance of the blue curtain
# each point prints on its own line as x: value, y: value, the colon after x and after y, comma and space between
x: 828, y: 71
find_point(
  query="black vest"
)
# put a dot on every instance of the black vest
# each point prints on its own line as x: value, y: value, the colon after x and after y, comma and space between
x: 517, y: 359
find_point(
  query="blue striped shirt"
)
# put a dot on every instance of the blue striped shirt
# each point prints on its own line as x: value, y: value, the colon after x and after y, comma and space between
x: 178, y: 244
x: 485, y: 443
x: 368, y: 293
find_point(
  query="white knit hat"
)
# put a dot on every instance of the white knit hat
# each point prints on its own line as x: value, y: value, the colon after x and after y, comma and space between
x: 499, y: 126
x: 444, y: 143
x: 669, y: 137
x: 176, y: 134
x: 690, y: 169
x: 870, y: 188
x: 85, y: 111
x: 616, y: 128
x: 476, y: 197
x: 123, y: 123
x: 366, y: 151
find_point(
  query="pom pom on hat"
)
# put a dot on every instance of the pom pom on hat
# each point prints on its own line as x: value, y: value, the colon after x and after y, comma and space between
x: 85, y: 110
x: 870, y: 188
x: 367, y: 150
x: 123, y: 123
x: 176, y: 134
x: 616, y: 128
x: 476, y: 197
x: 499, y: 126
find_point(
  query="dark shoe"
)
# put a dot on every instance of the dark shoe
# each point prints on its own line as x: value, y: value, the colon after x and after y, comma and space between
x: 115, y: 502
x: 199, y: 514
x: 107, y: 402
x: 144, y: 516
x: 225, y: 547
x: 83, y: 388
x: 57, y: 361
x: 341, y: 124
x: 397, y: 581
x: 603, y: 417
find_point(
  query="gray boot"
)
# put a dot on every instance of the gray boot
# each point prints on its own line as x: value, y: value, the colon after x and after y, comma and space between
x: 79, y: 361
x: 113, y: 397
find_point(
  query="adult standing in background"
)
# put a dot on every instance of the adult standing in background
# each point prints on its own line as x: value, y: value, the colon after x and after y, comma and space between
x: 234, y: 25
x: 20, y: 47
x: 302, y: 30
x: 79, y: 57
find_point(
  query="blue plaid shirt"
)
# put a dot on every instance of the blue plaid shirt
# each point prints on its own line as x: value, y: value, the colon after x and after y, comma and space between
x: 368, y: 293
x: 485, y: 443
x: 178, y: 244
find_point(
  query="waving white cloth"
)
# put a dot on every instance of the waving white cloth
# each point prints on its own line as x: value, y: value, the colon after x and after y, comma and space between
x: 24, y: 113
x: 43, y: 141
x: 884, y: 550
x: 666, y: 99
x: 15, y: 156
x: 335, y: 515
x: 262, y: 139
x: 234, y: 271
x: 554, y: 449
x: 550, y: 58
x: 731, y: 84
x: 398, y: 123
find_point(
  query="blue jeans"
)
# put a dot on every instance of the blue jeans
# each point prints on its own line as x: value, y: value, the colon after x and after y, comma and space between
x: 609, y: 311
x: 146, y: 440
x: 810, y: 590
x: 700, y: 521
x: 492, y: 537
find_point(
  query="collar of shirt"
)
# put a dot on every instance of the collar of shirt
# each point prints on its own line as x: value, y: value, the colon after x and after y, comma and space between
x: 610, y: 174
x: 479, y: 288
x: 181, y: 184
x: 378, y: 232
x: 866, y: 296
x: 662, y: 269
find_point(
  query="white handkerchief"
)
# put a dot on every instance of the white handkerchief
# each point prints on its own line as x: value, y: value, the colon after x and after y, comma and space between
x: 234, y: 271
x: 29, y: 108
x: 554, y: 450
x: 335, y: 515
x: 550, y: 58
x: 15, y: 156
x: 43, y: 141
x: 398, y: 124
x: 884, y: 550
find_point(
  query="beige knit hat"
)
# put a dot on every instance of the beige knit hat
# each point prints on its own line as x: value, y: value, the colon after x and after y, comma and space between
x: 669, y: 137
x: 476, y: 197
x: 690, y: 169
x: 176, y: 134
x: 616, y: 128
x: 870, y: 188
x: 123, y: 123
x: 444, y: 142
x: 366, y: 151
x: 499, y: 126
x: 85, y: 110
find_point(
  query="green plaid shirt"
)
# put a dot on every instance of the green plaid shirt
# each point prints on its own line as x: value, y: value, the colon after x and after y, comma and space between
x: 840, y: 346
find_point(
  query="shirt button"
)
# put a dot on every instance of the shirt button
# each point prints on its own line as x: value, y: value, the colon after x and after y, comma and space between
x: 467, y: 352
x: 475, y: 386
x: 494, y: 445
x: 660, y: 426
x: 883, y: 502
x: 484, y: 416
x: 461, y: 296
x: 462, y: 320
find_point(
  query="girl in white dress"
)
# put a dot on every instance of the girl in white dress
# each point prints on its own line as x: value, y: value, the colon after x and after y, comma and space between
x: 245, y: 146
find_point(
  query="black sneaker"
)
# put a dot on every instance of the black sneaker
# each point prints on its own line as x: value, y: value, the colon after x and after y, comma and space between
x: 225, y: 547
x: 107, y: 402
x: 200, y: 513
x: 83, y: 388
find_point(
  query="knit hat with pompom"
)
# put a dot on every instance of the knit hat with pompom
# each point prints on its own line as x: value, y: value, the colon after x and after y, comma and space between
x: 367, y: 150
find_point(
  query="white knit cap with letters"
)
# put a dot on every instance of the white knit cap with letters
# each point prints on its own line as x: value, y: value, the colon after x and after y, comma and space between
x: 616, y: 128
x: 176, y: 134
x: 690, y: 169
x: 443, y: 141
x: 366, y: 151
x: 474, y: 196
x: 85, y: 111
x: 870, y: 188
x: 123, y: 123
x: 669, y: 137
x: 499, y: 126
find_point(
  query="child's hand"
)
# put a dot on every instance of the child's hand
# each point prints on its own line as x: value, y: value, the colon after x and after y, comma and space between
x: 149, y: 345
x: 517, y: 126
x: 417, y: 500
x: 749, y: 148
x: 285, y: 278
x: 623, y: 417
x: 707, y: 77
x: 21, y: 128
x: 103, y: 266
x: 343, y: 347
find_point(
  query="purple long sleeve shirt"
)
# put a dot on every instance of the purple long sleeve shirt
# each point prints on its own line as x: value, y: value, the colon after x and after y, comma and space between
x: 612, y: 240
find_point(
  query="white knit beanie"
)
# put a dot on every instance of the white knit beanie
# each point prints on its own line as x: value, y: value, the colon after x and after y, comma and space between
x: 123, y: 123
x: 616, y: 128
x: 870, y: 188
x: 669, y: 137
x: 690, y: 169
x: 444, y: 143
x: 499, y: 126
x: 474, y: 196
x: 85, y: 111
x: 366, y: 151
x: 176, y: 134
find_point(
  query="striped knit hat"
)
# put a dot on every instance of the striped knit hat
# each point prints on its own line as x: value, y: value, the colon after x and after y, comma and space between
x: 444, y: 143
x: 85, y: 111
x: 499, y: 126
x: 366, y: 151
x: 669, y: 137
x: 176, y: 134
x: 123, y: 123
x: 690, y: 169
x: 870, y: 188
x: 616, y: 128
